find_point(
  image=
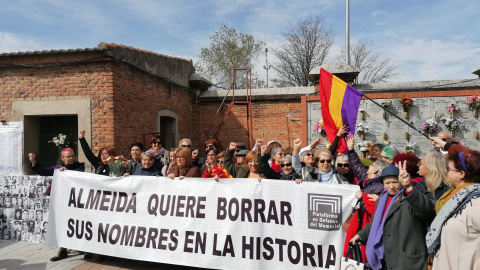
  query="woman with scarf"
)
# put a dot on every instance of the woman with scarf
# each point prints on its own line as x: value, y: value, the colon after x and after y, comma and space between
x: 395, y: 237
x: 454, y: 236
x: 160, y: 153
x: 287, y: 172
x: 326, y: 174
x: 303, y: 160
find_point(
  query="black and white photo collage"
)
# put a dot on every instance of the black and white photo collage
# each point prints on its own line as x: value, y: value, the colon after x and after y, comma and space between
x: 24, y: 207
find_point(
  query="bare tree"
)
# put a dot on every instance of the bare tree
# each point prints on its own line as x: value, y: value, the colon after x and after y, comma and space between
x: 229, y: 49
x: 374, y: 67
x: 307, y: 45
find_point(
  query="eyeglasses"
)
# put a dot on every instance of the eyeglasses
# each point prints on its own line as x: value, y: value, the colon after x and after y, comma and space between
x: 220, y: 161
x: 325, y: 161
x: 452, y: 169
x: 444, y: 139
x: 309, y: 155
x: 156, y: 142
x: 186, y: 145
x: 105, y: 155
x: 286, y: 164
x: 340, y: 165
x: 179, y: 157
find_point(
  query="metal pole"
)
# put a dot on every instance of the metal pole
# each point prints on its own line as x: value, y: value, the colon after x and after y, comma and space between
x: 403, y: 120
x: 347, y: 32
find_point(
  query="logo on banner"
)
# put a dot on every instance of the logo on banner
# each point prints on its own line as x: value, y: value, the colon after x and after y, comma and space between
x: 324, y: 212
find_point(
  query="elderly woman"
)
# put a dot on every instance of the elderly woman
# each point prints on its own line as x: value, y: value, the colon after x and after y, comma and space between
x: 303, y: 160
x: 251, y: 170
x: 326, y: 174
x: 99, y: 162
x: 216, y: 170
x: 454, y: 234
x: 433, y: 167
x: 395, y: 237
x: 133, y: 164
x: 287, y: 172
x: 342, y: 167
x: 277, y: 155
x: 183, y: 167
x: 147, y: 167
x: 160, y: 153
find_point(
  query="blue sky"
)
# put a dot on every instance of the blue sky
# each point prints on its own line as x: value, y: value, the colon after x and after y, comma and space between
x: 433, y: 39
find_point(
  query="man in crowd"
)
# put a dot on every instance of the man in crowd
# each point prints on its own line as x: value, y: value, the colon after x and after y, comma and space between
x: 69, y: 163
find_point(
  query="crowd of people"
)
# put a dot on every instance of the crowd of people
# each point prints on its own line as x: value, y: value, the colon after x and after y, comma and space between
x: 411, y: 211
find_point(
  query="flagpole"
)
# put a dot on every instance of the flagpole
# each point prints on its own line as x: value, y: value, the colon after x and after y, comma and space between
x: 403, y: 120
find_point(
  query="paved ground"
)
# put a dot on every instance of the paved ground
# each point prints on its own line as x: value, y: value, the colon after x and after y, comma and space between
x: 30, y: 256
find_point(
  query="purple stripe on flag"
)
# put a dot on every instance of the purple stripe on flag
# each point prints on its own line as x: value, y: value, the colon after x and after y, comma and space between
x: 350, y: 104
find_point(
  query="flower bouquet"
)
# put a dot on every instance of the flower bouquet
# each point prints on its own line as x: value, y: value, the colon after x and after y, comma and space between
x: 430, y: 126
x: 473, y: 103
x: 410, y: 148
x: 407, y: 104
x: 60, y: 141
x: 451, y: 123
x: 361, y: 130
x: 116, y: 165
x: 452, y: 108
x: 320, y: 127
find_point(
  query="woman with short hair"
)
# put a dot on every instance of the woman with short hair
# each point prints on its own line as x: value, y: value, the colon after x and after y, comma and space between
x: 100, y: 161
x: 135, y: 162
x: 147, y: 168
x: 183, y: 167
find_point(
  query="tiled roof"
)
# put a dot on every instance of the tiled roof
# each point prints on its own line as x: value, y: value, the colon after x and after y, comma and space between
x: 101, y: 47
x: 114, y: 45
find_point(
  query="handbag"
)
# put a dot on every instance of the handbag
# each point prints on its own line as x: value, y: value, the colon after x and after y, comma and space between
x: 353, y: 259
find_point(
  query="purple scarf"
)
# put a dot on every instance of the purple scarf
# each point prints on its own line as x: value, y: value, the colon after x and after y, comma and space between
x: 375, y: 250
x: 158, y: 154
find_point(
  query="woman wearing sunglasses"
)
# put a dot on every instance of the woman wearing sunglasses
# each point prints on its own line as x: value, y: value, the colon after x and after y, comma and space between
x: 326, y: 174
x: 287, y: 172
x: 161, y: 155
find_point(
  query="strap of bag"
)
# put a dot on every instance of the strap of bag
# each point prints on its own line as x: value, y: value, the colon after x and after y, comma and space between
x: 350, y: 252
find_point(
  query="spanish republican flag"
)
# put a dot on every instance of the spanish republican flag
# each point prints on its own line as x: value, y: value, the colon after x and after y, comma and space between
x: 340, y: 103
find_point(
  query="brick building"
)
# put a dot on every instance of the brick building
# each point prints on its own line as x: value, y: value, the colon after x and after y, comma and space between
x: 121, y: 94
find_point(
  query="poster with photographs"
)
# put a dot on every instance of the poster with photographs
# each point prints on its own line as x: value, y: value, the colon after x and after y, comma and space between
x: 24, y: 207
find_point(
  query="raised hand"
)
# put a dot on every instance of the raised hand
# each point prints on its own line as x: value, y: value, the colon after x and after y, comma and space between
x: 81, y: 134
x: 342, y: 130
x: 404, y: 176
x: 297, y: 143
x: 350, y: 142
x: 232, y: 146
x: 437, y: 142
x: 262, y: 149
x: 195, y: 154
x: 258, y: 142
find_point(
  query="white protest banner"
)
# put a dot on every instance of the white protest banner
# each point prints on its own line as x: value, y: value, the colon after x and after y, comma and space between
x: 230, y: 224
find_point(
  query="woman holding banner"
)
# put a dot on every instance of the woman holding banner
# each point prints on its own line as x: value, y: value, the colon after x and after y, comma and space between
x: 183, y: 166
